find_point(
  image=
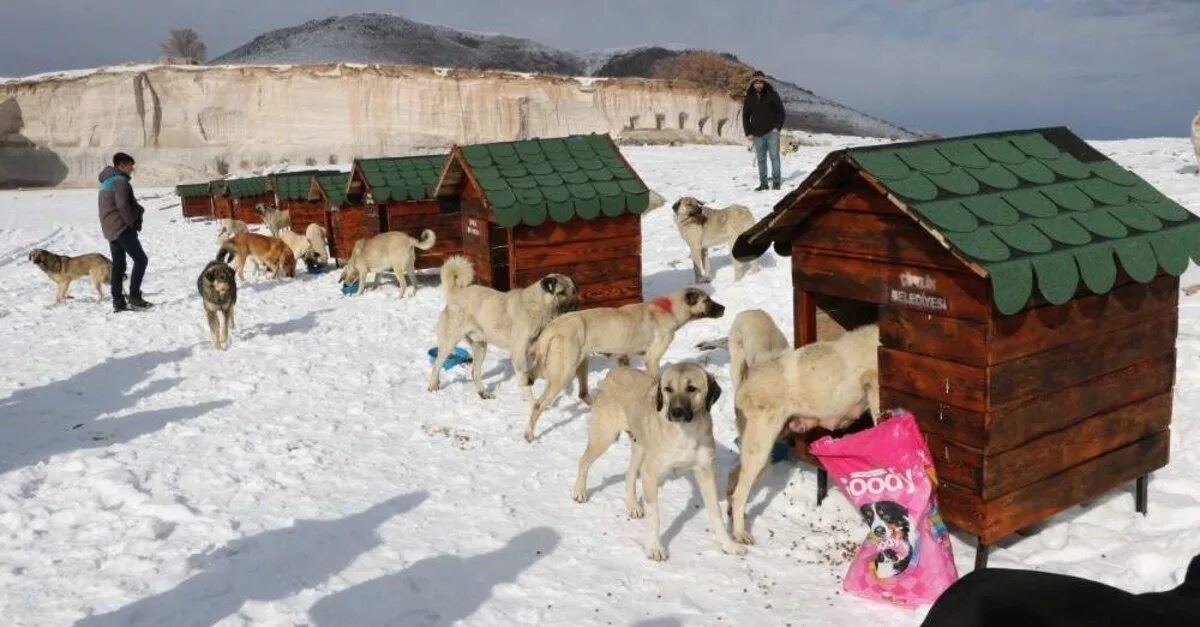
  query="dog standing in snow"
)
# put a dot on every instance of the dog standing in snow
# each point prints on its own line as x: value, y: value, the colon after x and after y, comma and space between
x: 394, y: 251
x: 703, y: 227
x: 217, y: 285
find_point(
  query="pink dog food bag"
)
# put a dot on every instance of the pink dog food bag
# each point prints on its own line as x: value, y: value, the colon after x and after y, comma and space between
x: 887, y: 473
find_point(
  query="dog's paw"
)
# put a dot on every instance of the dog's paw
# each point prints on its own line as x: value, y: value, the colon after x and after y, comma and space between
x: 529, y: 436
x: 485, y: 395
x: 636, y: 511
x: 733, y: 548
x: 657, y: 553
x: 433, y: 386
x: 743, y: 537
x: 580, y: 496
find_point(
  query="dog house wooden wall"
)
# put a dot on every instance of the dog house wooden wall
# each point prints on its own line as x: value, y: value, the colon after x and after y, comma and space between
x: 195, y: 200
x: 569, y: 205
x: 1026, y: 289
x: 293, y: 194
x: 346, y: 219
x: 246, y: 193
x: 401, y: 190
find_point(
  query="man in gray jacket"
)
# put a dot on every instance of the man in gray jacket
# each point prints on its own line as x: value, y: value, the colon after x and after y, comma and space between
x: 120, y: 220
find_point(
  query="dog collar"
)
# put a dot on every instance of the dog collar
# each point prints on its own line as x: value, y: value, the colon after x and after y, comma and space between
x: 663, y: 304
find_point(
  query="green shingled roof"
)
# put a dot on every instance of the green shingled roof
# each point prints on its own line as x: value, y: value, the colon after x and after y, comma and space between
x: 401, y: 178
x: 297, y: 185
x: 578, y: 177
x: 1037, y: 208
x: 334, y: 186
x: 242, y: 188
x: 193, y: 190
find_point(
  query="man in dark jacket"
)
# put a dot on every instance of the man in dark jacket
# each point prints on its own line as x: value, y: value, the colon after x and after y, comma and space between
x: 762, y: 118
x: 120, y: 220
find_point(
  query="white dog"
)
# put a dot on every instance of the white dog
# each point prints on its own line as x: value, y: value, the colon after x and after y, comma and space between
x: 299, y: 244
x: 510, y: 320
x: 318, y: 245
x: 1196, y: 140
x: 640, y: 329
x: 703, y: 227
x: 824, y: 384
x: 229, y: 228
x: 394, y: 251
x: 671, y: 428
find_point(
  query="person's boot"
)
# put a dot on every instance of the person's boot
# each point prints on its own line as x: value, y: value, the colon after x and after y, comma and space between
x: 137, y: 302
x: 119, y: 305
x: 774, y: 185
x: 761, y: 187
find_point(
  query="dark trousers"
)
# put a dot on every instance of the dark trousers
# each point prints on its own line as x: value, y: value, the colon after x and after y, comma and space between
x: 127, y: 244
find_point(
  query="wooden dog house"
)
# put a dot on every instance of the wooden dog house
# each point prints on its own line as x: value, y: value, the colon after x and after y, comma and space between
x: 400, y: 189
x: 196, y: 200
x: 246, y: 193
x: 346, y: 218
x: 570, y: 205
x: 1026, y: 289
x: 293, y: 193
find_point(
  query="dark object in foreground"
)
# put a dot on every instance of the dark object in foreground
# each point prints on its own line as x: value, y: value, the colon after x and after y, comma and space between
x: 1000, y: 596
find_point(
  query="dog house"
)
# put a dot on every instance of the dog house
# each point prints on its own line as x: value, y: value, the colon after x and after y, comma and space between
x: 1026, y: 289
x: 346, y: 218
x: 400, y: 188
x: 570, y: 205
x: 196, y: 200
x: 245, y: 194
x: 293, y: 193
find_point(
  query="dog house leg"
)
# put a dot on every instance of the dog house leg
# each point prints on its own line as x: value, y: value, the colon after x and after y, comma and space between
x: 1142, y: 494
x: 981, y: 554
x: 822, y: 485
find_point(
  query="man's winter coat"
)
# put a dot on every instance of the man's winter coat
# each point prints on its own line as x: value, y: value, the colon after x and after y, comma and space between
x: 762, y: 113
x: 119, y: 210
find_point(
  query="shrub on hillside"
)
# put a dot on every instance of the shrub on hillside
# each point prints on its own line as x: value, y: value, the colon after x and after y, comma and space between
x: 706, y: 68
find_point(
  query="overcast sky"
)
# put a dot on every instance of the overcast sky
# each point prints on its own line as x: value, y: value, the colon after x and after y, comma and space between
x: 1106, y: 68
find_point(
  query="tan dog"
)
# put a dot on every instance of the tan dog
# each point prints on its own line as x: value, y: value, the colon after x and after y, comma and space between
x: 217, y: 285
x: 824, y: 384
x: 510, y: 320
x: 299, y: 244
x: 277, y: 221
x: 394, y: 251
x: 229, y: 228
x: 754, y: 338
x: 63, y: 270
x: 268, y: 251
x: 671, y: 428
x: 317, y: 243
x: 703, y: 227
x: 640, y: 329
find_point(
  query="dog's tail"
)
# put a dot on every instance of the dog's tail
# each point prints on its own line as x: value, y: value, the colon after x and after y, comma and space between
x: 428, y: 239
x: 457, y: 273
x: 225, y: 252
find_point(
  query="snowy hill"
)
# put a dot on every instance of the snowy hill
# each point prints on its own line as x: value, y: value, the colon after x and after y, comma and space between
x: 379, y: 38
x: 306, y: 476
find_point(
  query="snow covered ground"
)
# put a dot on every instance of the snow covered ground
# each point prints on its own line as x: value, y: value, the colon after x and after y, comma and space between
x: 305, y: 476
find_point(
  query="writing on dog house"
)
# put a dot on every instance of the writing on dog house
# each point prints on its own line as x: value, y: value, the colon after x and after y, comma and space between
x: 293, y: 193
x: 568, y: 205
x: 1026, y: 291
x: 195, y: 200
x: 400, y: 191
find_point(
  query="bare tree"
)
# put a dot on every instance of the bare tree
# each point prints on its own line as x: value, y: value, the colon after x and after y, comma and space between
x: 185, y: 44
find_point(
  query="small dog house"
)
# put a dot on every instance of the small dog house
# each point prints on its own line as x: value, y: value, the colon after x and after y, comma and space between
x: 400, y: 189
x: 246, y: 194
x: 346, y: 218
x: 293, y: 193
x: 196, y: 200
x: 570, y: 205
x: 1026, y: 289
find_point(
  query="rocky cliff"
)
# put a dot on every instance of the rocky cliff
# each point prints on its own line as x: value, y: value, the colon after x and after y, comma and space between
x: 193, y: 123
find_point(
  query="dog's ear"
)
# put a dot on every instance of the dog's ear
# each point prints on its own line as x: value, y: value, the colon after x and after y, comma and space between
x: 675, y: 207
x: 658, y: 397
x: 549, y: 284
x: 714, y: 392
x: 865, y: 510
x: 693, y: 297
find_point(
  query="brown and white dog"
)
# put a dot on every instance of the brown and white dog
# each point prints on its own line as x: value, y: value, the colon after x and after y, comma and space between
x: 562, y: 350
x: 703, y: 227
x: 63, y: 270
x: 268, y: 251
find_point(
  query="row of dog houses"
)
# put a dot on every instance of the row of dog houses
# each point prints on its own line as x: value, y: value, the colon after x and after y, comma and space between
x: 1026, y: 287
x: 518, y: 210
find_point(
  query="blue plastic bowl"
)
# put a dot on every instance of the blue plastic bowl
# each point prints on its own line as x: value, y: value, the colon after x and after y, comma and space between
x: 458, y: 356
x: 349, y: 288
